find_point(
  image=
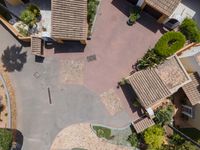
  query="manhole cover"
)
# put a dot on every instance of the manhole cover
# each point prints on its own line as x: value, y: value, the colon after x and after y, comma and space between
x: 36, y: 75
x: 91, y: 58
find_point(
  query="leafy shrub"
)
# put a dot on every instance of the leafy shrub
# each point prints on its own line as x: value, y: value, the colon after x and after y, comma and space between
x: 190, y: 29
x: 135, y: 14
x: 5, y: 139
x: 28, y: 17
x: 133, y: 139
x: 35, y: 9
x: 164, y: 116
x: 169, y: 43
x: 23, y: 29
x: 154, y: 137
x: 102, y: 132
x: 150, y: 59
x: 91, y: 12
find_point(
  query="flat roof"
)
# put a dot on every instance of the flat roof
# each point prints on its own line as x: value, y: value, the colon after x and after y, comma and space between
x: 69, y: 19
x: 166, y: 7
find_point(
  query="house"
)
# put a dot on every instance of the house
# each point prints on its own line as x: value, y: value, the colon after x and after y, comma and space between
x: 67, y: 19
x: 153, y: 86
x: 180, y: 72
x: 190, y: 58
x: 164, y: 10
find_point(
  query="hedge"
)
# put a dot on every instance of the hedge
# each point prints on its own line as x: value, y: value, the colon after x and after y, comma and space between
x: 5, y: 139
x: 169, y: 43
x: 190, y: 29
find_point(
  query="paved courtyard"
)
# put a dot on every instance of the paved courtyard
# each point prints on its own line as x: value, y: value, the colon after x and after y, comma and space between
x: 78, y: 88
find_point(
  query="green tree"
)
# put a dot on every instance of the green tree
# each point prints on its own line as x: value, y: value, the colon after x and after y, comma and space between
x: 154, y: 137
x: 28, y: 17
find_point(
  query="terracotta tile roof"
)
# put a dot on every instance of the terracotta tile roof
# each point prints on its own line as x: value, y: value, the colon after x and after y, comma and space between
x: 153, y: 85
x: 148, y: 87
x: 69, y: 19
x: 142, y: 124
x: 192, y: 89
x: 166, y: 7
x: 36, y: 46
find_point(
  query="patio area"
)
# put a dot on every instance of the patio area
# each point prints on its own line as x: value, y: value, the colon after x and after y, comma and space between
x: 45, y: 10
x: 115, y: 47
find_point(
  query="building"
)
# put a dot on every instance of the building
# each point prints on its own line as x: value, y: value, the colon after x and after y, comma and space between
x: 67, y: 19
x: 179, y: 73
x: 153, y: 87
x: 164, y: 10
x: 190, y: 58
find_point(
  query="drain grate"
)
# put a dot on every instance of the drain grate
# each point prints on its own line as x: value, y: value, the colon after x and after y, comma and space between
x: 91, y: 58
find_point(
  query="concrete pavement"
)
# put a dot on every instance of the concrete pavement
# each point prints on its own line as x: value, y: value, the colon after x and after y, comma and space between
x: 37, y: 119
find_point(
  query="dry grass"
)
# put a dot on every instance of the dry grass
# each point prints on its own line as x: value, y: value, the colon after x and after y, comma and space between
x: 11, y: 94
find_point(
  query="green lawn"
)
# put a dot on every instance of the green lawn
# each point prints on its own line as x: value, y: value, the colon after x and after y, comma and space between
x: 102, y: 132
x: 192, y: 133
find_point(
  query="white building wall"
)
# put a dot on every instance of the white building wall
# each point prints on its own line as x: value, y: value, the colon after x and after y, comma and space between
x: 190, y: 64
x: 140, y: 2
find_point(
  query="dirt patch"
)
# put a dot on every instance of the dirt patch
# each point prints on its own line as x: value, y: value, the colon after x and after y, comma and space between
x: 112, y: 102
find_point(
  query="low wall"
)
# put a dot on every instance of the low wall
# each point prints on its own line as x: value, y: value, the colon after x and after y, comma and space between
x: 14, y: 31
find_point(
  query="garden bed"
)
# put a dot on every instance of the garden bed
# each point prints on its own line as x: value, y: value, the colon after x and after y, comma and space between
x: 93, y: 7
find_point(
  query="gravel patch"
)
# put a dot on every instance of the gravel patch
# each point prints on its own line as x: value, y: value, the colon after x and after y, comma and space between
x: 112, y: 102
x: 72, y: 71
x: 82, y: 136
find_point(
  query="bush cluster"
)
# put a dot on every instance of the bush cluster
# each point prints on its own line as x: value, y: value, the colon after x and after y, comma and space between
x: 169, y: 43
x: 191, y: 30
x: 150, y: 60
x: 164, y: 116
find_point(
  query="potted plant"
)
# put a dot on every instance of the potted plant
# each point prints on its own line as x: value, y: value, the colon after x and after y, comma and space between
x: 132, y: 18
x: 134, y: 15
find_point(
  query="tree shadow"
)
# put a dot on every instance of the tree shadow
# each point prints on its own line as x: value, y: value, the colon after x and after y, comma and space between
x: 13, y: 58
